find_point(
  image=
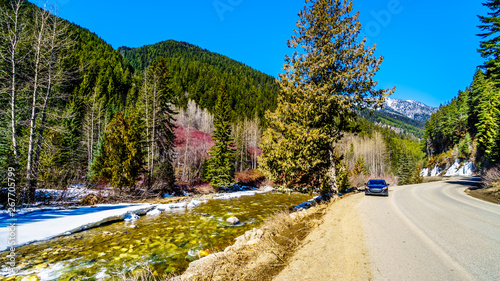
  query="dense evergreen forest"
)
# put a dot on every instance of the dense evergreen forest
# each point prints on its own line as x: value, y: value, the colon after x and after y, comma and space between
x: 468, y: 127
x: 196, y: 74
x: 61, y: 85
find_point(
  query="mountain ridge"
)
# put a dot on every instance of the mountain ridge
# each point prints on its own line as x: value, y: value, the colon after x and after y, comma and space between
x: 409, y: 108
x: 197, y: 74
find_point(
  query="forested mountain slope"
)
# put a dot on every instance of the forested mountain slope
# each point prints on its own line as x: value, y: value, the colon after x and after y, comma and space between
x: 66, y: 90
x: 396, y: 122
x: 197, y: 73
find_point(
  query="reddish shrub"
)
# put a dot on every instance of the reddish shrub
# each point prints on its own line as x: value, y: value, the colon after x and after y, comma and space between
x: 196, y: 138
x: 250, y: 178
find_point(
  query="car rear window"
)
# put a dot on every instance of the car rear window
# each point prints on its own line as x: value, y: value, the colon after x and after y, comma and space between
x: 378, y: 182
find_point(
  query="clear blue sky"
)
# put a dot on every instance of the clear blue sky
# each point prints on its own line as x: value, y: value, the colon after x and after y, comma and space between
x: 429, y: 46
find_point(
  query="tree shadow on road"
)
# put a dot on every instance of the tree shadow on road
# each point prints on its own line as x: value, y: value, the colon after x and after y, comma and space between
x: 471, y: 183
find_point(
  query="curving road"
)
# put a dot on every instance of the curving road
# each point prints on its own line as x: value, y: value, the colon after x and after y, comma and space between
x: 432, y: 231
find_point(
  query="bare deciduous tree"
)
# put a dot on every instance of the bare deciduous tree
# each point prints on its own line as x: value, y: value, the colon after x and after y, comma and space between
x: 51, y: 38
x: 247, y: 134
x: 14, y: 33
x: 194, y: 152
x: 372, y: 150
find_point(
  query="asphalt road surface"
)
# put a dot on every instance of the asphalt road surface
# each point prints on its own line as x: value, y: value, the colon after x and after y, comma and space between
x: 432, y: 231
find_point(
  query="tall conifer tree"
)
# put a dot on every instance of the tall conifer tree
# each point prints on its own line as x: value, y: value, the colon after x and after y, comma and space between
x: 488, y: 128
x: 120, y: 158
x: 323, y: 86
x: 490, y: 46
x: 488, y: 101
x: 220, y: 168
x: 158, y: 102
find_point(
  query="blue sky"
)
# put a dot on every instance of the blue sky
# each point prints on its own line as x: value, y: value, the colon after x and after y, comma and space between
x: 429, y: 46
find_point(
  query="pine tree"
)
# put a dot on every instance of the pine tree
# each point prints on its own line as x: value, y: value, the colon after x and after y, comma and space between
x: 488, y: 101
x: 475, y: 91
x: 359, y: 166
x: 159, y: 99
x: 220, y: 168
x: 490, y: 47
x: 405, y: 169
x: 120, y: 158
x: 321, y: 90
x: 488, y: 127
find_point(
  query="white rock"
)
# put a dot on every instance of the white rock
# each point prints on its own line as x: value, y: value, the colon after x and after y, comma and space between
x: 233, y: 220
x: 253, y: 242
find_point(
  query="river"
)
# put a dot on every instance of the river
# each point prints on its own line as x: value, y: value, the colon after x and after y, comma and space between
x: 162, y: 244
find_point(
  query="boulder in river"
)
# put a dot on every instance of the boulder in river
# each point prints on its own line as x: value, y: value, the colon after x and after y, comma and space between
x: 233, y: 220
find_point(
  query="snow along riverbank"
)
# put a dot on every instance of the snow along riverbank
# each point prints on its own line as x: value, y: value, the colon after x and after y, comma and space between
x: 46, y: 224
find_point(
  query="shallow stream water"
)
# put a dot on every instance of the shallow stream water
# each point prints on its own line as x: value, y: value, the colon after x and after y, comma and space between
x: 163, y: 244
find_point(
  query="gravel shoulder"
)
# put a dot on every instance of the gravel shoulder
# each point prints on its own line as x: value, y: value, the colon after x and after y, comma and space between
x: 335, y: 250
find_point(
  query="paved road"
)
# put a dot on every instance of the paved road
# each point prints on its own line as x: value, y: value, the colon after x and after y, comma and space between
x: 432, y: 231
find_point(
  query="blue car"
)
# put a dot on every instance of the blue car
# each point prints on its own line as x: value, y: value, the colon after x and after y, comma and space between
x: 377, y: 187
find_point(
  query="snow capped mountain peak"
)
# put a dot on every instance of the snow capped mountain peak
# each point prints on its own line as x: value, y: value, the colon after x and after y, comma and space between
x: 409, y: 108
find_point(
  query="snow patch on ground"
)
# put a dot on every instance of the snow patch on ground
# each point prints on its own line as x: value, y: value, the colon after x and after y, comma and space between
x: 102, y: 275
x: 465, y: 170
x: 74, y: 193
x: 171, y: 206
x: 457, y: 169
x: 154, y: 212
x: 130, y: 217
x: 46, y: 224
x: 453, y: 170
x: 424, y: 172
x: 435, y: 172
x: 305, y: 205
x: 237, y: 194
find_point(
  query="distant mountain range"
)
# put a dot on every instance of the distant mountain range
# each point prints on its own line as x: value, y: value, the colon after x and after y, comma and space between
x: 412, y: 109
x: 401, y: 116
